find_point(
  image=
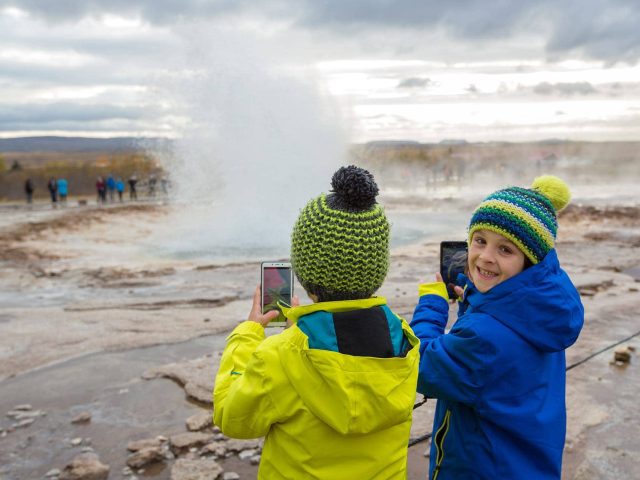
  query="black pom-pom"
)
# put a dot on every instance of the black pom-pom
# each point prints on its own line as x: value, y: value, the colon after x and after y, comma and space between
x: 354, y: 189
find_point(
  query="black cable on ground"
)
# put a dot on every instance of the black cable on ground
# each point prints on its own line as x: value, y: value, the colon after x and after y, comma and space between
x: 426, y: 436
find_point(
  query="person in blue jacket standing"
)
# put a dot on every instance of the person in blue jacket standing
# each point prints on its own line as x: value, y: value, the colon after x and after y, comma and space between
x: 499, y: 373
x: 120, y: 188
x: 111, y: 186
x: 63, y: 190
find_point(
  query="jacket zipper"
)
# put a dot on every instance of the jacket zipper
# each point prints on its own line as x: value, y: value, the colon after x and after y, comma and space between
x: 439, y: 439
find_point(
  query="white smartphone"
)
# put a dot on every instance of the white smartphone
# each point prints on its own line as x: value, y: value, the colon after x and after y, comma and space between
x: 276, y: 280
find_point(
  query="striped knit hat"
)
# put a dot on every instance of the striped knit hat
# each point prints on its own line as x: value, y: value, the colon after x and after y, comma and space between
x: 527, y: 217
x: 340, y: 242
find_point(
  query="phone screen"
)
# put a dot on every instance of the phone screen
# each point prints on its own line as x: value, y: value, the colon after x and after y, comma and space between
x: 276, y: 287
x: 453, y: 261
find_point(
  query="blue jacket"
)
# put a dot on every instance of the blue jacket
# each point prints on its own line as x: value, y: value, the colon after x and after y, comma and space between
x: 499, y: 375
x: 62, y: 186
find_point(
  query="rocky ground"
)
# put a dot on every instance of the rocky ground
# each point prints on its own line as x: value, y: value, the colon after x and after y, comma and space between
x: 108, y: 354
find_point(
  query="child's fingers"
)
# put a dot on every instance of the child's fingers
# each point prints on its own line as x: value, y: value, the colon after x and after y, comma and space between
x: 459, y: 291
x: 267, y: 317
x: 256, y: 311
x: 295, y: 301
x: 438, y: 277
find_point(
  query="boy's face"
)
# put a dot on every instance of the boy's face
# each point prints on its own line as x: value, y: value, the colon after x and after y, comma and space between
x: 493, y: 259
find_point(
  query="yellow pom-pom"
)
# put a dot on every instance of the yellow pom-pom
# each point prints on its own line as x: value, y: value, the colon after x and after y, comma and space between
x: 554, y: 189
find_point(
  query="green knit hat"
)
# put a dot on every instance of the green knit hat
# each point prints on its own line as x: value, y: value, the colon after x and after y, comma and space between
x: 340, y: 242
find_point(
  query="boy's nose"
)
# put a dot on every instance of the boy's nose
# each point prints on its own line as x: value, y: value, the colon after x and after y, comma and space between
x: 487, y: 256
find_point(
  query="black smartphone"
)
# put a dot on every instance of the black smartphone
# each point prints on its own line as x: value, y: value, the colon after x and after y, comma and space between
x: 453, y: 260
x: 276, y: 280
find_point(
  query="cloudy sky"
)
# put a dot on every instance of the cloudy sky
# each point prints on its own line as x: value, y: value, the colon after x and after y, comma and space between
x: 423, y: 70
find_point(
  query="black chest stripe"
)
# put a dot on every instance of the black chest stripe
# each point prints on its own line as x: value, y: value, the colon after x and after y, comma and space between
x: 363, y: 333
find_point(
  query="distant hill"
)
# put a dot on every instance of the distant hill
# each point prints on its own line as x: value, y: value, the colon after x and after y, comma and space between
x: 81, y: 144
x: 392, y: 143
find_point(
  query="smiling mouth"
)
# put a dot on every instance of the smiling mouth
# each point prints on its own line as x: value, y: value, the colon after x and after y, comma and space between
x: 486, y: 273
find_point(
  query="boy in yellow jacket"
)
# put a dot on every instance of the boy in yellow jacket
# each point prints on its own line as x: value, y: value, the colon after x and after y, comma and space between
x: 333, y: 394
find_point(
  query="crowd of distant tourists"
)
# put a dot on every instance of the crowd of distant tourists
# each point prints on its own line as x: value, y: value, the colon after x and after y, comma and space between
x: 108, y: 190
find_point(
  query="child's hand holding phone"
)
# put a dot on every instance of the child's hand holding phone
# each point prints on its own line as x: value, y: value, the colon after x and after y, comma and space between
x: 453, y: 261
x: 457, y: 290
x: 256, y: 314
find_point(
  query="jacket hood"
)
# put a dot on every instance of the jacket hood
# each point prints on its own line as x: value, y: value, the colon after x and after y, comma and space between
x: 351, y: 394
x: 540, y: 304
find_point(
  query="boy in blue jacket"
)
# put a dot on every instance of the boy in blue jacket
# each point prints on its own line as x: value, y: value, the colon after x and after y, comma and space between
x: 499, y: 373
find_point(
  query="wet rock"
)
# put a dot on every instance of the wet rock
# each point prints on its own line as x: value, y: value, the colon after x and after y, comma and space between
x: 185, y: 441
x: 76, y: 441
x: 587, y: 292
x: 86, y: 466
x: 54, y: 472
x: 199, y: 421
x: 230, y: 476
x: 145, y: 456
x: 622, y: 354
x: 246, y: 454
x: 197, y: 376
x: 591, y: 283
x: 197, y: 469
x: 26, y: 442
x: 24, y: 423
x: 236, y: 445
x: 217, y: 448
x: 136, y: 445
x: 23, y: 407
x: 83, y: 417
x: 21, y: 414
x: 255, y: 460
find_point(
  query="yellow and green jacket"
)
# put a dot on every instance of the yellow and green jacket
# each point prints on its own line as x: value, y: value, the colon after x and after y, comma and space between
x: 332, y: 395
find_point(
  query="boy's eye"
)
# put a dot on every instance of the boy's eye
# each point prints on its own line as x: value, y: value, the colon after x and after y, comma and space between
x: 506, y: 250
x: 479, y: 240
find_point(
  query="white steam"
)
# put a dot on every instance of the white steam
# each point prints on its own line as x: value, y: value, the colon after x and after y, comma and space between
x: 258, y: 142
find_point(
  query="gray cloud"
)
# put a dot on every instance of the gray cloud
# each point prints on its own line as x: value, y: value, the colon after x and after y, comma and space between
x: 564, y: 89
x: 43, y: 116
x: 153, y: 11
x: 600, y: 29
x: 603, y: 29
x: 50, y: 75
x: 414, y: 82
